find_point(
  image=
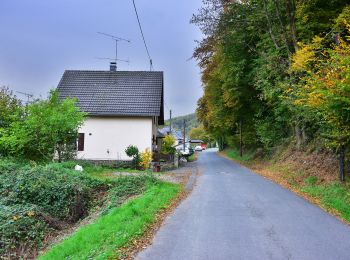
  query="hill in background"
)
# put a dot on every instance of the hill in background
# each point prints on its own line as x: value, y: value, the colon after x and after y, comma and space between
x: 177, y: 122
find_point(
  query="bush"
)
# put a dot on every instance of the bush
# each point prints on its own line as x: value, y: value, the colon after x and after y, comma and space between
x: 38, y: 199
x: 146, y: 159
x: 22, y: 226
x: 133, y: 152
x: 168, y: 145
x: 7, y: 165
x: 127, y: 186
x: 57, y: 191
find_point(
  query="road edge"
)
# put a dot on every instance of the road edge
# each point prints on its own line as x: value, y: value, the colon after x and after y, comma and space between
x: 283, y: 183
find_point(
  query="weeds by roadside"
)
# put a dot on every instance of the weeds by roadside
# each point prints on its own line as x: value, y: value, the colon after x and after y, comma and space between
x: 39, y: 200
x: 120, y: 226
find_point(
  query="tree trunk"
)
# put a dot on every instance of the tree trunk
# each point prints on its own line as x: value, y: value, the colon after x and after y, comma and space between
x: 304, y: 137
x: 59, y: 154
x: 240, y: 139
x: 298, y: 135
x: 283, y: 31
x: 342, y: 163
x: 269, y: 25
x: 291, y: 18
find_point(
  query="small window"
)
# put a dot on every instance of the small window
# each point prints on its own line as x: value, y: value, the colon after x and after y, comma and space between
x: 81, y: 140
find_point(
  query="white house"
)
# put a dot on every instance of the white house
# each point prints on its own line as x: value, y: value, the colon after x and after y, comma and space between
x: 124, y: 108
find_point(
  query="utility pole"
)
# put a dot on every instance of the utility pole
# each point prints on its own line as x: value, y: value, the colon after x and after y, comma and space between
x: 240, y: 139
x: 170, y: 120
x: 184, y: 136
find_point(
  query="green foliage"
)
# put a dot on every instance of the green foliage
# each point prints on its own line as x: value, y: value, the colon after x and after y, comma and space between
x: 325, y: 87
x: 127, y: 186
x: 9, y: 107
x: 62, y: 193
x: 133, y: 152
x: 38, y: 199
x: 235, y: 155
x: 334, y: 196
x: 20, y: 224
x: 254, y: 81
x: 50, y: 126
x: 168, y: 145
x: 102, y: 239
x: 177, y: 122
x: 199, y: 133
x: 311, y: 180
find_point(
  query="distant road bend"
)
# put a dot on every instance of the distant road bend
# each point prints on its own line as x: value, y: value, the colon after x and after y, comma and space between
x: 233, y: 213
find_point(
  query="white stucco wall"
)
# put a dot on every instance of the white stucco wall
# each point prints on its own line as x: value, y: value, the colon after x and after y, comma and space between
x: 114, y: 134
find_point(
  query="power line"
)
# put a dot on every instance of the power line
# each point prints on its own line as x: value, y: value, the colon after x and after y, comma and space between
x: 143, y: 37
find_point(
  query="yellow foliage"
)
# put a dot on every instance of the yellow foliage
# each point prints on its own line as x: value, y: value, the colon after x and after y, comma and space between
x: 31, y: 214
x: 306, y: 54
x: 146, y: 159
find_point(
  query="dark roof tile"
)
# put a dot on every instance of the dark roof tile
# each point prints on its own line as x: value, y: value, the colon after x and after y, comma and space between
x: 115, y: 93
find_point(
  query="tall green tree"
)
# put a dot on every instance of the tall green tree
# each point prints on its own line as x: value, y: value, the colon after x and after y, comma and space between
x: 9, y: 107
x: 49, y: 129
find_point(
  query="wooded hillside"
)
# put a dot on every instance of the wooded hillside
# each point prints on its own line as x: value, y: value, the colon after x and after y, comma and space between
x: 277, y: 70
x: 177, y: 122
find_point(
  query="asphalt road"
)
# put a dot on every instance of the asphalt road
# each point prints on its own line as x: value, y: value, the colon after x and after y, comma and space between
x: 233, y: 213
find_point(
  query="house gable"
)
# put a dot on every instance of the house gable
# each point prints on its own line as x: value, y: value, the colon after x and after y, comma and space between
x: 116, y: 93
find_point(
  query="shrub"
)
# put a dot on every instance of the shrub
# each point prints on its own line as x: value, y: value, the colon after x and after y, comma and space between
x: 59, y: 192
x: 7, y: 165
x: 20, y: 225
x: 146, y: 159
x: 49, y: 128
x: 127, y: 186
x: 37, y: 199
x: 168, y: 145
x: 133, y: 152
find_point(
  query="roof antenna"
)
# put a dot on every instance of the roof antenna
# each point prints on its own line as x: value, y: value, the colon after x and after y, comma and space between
x: 116, y: 39
x: 27, y: 95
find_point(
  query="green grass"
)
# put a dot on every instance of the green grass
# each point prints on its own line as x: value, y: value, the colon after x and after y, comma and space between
x: 192, y: 158
x: 103, y: 173
x: 102, y: 239
x: 234, y: 154
x: 332, y: 196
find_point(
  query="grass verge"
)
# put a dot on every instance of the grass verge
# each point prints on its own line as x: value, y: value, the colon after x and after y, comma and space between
x: 332, y: 196
x: 193, y: 157
x: 120, y: 226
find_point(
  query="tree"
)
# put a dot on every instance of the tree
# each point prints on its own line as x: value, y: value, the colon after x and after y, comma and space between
x: 49, y: 129
x: 9, y: 107
x: 168, y: 145
x: 133, y: 152
x: 325, y: 87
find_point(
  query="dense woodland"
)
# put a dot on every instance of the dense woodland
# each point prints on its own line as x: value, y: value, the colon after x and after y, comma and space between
x: 277, y: 70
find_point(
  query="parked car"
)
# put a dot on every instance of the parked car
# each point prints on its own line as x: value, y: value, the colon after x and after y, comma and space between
x: 198, y: 148
x: 187, y: 152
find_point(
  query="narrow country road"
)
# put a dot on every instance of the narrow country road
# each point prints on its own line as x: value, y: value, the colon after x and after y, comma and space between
x: 233, y: 213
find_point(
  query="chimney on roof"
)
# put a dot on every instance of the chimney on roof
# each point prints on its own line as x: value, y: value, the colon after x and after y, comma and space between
x: 113, y: 66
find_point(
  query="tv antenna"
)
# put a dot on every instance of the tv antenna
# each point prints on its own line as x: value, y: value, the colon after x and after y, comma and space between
x: 116, y: 39
x: 28, y: 96
x: 102, y: 58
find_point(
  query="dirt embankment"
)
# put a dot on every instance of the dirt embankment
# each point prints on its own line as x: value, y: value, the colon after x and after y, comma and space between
x: 323, y: 165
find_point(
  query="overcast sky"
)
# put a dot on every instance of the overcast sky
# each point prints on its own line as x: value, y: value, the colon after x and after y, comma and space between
x: 40, y: 39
